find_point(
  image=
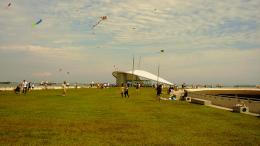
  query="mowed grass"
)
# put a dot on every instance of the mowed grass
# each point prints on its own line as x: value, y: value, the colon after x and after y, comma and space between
x: 101, y: 117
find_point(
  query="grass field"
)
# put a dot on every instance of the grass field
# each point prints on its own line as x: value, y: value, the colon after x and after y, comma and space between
x: 101, y: 117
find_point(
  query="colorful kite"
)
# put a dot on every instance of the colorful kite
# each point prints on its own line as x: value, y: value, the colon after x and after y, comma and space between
x: 101, y: 19
x: 38, y: 22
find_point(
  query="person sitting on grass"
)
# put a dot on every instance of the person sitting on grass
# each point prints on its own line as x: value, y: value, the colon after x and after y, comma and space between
x: 172, y: 95
x: 18, y: 89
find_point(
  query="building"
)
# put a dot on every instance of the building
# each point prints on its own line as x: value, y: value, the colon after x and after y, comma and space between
x: 138, y: 76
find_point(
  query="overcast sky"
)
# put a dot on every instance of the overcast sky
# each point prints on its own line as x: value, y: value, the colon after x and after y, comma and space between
x: 205, y: 41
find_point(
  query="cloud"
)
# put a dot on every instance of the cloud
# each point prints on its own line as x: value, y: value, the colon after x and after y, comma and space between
x: 44, y: 51
x: 42, y: 74
x: 185, y: 29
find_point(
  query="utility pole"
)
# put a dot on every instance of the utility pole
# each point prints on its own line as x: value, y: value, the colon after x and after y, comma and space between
x: 133, y: 69
x: 139, y: 63
x: 158, y: 72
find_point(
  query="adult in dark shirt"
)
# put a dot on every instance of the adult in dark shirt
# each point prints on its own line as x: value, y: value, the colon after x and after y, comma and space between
x: 159, y: 91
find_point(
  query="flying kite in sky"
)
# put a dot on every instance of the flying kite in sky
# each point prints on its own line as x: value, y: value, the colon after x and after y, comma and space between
x: 38, y: 22
x: 101, y: 19
x: 9, y: 5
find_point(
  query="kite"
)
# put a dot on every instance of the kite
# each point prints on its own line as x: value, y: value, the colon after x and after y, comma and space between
x: 38, y: 22
x: 9, y: 5
x: 101, y: 19
x: 155, y: 11
x: 68, y: 73
x: 162, y: 51
x: 60, y: 69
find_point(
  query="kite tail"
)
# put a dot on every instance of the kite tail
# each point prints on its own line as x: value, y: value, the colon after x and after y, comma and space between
x: 96, y: 24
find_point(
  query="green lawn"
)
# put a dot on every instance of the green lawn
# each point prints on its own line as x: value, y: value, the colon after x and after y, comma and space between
x: 101, y: 117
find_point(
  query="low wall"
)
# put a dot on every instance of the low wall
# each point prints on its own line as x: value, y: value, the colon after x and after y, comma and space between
x: 254, y: 106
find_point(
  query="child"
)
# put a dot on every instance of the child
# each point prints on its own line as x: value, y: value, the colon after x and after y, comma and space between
x: 126, y: 91
x: 122, y: 91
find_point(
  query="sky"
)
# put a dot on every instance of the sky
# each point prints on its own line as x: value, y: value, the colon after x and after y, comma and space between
x: 204, y: 41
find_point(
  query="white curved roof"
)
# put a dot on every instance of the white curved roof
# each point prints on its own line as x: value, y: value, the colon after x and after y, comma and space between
x: 145, y: 74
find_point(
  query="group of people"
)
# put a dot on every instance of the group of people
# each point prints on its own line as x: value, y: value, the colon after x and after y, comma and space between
x: 23, y: 87
x: 124, y: 90
x: 171, y: 94
x: 26, y: 86
x: 159, y: 88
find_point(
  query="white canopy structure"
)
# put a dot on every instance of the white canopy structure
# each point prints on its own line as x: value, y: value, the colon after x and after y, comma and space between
x: 139, y: 76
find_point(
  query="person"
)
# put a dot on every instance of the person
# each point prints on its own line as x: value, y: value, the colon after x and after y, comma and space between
x: 159, y: 91
x: 138, y: 85
x: 18, y: 88
x: 183, y: 86
x: 76, y: 85
x: 171, y: 92
x: 185, y: 94
x: 32, y: 86
x: 122, y: 90
x: 64, y: 85
x: 29, y: 85
x: 24, y: 85
x: 170, y: 89
x: 126, y: 91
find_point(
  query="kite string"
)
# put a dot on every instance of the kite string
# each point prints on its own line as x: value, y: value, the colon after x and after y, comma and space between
x: 96, y: 24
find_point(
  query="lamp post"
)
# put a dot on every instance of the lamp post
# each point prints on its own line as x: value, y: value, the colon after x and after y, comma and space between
x: 158, y: 71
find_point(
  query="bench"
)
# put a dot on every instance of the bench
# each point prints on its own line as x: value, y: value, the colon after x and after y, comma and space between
x: 200, y: 101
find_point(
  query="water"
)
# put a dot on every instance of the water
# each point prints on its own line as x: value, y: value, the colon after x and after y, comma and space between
x: 14, y: 84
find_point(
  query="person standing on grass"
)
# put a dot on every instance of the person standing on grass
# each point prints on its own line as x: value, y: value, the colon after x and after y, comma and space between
x: 126, y: 91
x: 138, y: 85
x: 64, y: 88
x: 24, y: 86
x: 122, y: 89
x: 159, y: 92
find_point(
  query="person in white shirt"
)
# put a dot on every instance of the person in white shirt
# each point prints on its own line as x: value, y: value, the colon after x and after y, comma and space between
x: 64, y: 86
x: 24, y: 84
